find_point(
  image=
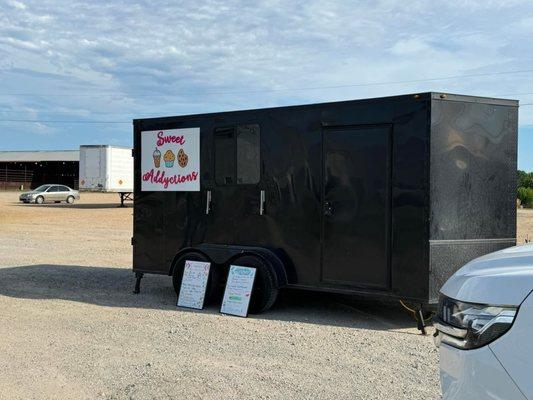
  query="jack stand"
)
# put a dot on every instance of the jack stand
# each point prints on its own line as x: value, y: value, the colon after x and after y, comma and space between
x: 138, y: 277
x: 420, y: 321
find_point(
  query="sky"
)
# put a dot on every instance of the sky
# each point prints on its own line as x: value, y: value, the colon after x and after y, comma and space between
x: 76, y: 73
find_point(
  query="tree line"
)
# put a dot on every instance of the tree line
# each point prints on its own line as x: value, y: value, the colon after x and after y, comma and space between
x: 525, y: 188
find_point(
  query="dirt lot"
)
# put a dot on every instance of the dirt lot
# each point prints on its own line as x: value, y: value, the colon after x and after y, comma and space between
x: 70, y: 326
x: 525, y: 225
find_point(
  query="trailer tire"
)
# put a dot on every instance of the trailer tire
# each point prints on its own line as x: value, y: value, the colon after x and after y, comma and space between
x: 214, y: 274
x: 265, y: 290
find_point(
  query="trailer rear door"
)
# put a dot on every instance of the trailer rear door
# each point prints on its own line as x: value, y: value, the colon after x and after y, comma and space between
x: 356, y: 205
x: 92, y: 167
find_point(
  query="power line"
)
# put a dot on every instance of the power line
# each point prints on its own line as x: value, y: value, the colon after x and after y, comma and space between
x: 269, y: 90
x: 100, y: 122
x: 135, y: 115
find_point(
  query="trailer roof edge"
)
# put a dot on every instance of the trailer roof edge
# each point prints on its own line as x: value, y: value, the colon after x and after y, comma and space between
x: 474, y: 99
x: 418, y: 96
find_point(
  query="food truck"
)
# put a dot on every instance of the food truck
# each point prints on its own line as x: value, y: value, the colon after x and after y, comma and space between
x: 382, y: 197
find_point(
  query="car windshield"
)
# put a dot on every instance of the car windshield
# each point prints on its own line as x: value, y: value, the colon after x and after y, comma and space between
x: 42, y: 188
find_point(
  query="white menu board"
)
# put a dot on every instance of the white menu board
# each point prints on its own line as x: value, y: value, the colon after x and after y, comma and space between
x: 194, y: 284
x: 238, y: 290
x: 170, y: 160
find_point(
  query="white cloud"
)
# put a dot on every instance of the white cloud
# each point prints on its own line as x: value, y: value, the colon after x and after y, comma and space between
x: 161, y: 47
x: 16, y: 4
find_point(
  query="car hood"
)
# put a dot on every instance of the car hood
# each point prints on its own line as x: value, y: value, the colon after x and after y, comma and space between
x: 30, y: 192
x: 501, y: 278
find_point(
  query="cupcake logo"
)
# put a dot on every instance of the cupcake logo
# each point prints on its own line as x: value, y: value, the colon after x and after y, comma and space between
x: 169, y: 159
x: 157, y: 158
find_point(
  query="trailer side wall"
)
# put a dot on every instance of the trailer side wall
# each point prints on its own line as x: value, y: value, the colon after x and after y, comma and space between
x: 292, y: 172
x: 473, y: 183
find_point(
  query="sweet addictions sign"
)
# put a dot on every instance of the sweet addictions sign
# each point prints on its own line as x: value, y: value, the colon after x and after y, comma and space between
x: 170, y: 160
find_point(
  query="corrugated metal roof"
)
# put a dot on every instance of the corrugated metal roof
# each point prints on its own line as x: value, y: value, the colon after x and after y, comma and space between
x: 42, y: 155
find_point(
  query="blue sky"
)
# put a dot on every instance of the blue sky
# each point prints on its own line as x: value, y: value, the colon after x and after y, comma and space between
x: 113, y: 61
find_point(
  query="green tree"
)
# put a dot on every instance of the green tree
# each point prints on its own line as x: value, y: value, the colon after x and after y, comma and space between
x: 525, y: 195
x: 524, y: 179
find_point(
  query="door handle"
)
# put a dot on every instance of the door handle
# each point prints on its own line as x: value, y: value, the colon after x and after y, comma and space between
x: 328, y: 209
x: 207, y: 202
x: 262, y: 202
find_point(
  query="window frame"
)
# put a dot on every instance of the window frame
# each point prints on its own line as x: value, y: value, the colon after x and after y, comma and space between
x: 234, y: 127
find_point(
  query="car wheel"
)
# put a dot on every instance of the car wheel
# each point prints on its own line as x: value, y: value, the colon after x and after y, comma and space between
x: 39, y: 200
x: 265, y: 291
x: 70, y: 199
x: 212, y: 282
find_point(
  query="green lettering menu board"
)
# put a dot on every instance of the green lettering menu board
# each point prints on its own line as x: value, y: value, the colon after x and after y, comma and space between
x: 238, y: 291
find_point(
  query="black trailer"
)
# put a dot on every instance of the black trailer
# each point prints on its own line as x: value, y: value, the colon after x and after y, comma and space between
x: 378, y: 197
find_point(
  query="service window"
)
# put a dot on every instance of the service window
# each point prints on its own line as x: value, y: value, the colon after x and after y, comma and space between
x: 238, y: 155
x: 248, y: 154
x: 225, y: 156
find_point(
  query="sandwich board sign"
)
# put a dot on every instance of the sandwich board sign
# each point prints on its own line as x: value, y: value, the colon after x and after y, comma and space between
x: 194, y: 284
x: 170, y: 160
x: 238, y: 291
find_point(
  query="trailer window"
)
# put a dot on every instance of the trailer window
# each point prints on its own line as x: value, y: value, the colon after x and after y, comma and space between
x: 237, y: 155
x: 248, y: 154
x: 225, y: 156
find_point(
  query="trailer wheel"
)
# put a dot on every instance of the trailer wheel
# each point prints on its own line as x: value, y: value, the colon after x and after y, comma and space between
x: 265, y: 290
x: 214, y: 275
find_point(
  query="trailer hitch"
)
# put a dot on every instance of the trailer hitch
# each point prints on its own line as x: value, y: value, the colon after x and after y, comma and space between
x: 420, y: 321
x: 418, y: 314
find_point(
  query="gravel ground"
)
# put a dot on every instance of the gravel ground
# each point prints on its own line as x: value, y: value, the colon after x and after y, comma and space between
x: 70, y: 326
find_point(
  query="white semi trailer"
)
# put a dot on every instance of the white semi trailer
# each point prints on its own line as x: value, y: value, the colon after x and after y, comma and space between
x: 106, y: 168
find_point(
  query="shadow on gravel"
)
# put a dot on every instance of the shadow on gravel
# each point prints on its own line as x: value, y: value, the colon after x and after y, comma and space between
x: 112, y: 287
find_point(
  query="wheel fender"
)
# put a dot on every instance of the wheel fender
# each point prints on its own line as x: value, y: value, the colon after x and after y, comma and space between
x: 181, y: 253
x: 271, y: 261
x: 225, y: 254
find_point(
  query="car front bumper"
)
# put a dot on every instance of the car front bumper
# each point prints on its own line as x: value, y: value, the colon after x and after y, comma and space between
x: 475, y: 374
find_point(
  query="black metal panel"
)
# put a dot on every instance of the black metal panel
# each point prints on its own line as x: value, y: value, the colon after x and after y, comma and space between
x: 473, y: 171
x: 446, y: 257
x: 410, y: 201
x: 473, y: 184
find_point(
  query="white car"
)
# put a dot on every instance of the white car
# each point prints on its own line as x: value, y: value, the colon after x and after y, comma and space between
x: 484, y: 328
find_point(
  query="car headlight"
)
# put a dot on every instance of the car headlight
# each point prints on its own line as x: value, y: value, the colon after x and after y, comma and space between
x: 469, y: 325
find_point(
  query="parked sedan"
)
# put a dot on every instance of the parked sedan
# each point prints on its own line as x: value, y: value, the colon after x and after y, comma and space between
x: 484, y: 328
x: 50, y: 194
